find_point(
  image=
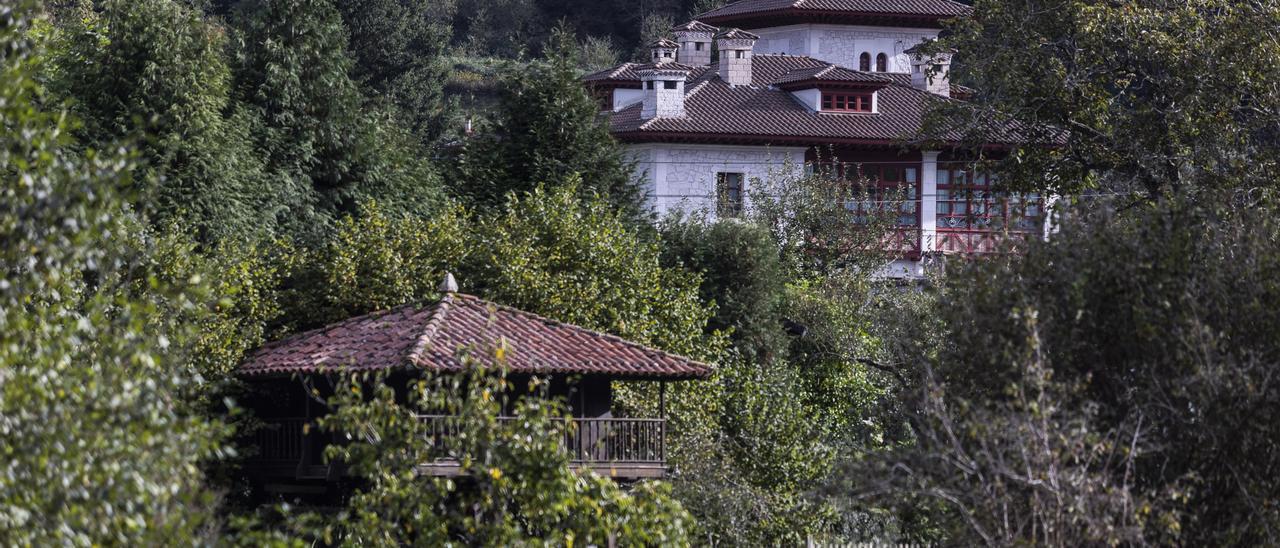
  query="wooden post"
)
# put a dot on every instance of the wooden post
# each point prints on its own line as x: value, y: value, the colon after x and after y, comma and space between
x: 662, y: 399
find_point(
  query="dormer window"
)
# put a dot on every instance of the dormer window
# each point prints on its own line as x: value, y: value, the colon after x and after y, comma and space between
x: 846, y: 102
x: 882, y: 63
x: 864, y: 62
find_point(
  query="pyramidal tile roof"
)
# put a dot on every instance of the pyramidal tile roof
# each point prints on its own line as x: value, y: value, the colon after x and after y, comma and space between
x: 431, y: 336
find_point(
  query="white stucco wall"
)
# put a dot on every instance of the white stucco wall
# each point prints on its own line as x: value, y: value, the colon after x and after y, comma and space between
x: 843, y: 44
x: 683, y: 177
x: 623, y: 98
x: 811, y: 98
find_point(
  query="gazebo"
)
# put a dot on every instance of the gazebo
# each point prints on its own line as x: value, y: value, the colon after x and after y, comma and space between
x: 581, y: 365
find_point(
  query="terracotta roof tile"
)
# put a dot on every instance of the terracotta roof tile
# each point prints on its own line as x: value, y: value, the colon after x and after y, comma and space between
x: 695, y: 26
x: 765, y: 113
x: 937, y: 8
x: 630, y: 73
x: 831, y: 73
x: 431, y: 336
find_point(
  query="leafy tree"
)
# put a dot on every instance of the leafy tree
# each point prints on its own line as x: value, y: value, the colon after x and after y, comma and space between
x: 1105, y: 388
x: 155, y: 72
x: 96, y: 449
x: 399, y: 51
x: 583, y: 263
x: 653, y: 27
x: 1152, y: 95
x: 741, y: 273
x: 326, y: 151
x: 516, y: 484
x: 548, y: 131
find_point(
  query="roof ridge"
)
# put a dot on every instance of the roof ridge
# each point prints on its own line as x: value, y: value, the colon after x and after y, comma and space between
x: 303, y: 334
x: 430, y: 329
x: 607, y: 336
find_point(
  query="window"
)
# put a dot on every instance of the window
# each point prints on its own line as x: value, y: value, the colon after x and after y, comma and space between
x: 729, y: 194
x: 666, y: 54
x: 697, y: 46
x: 967, y: 202
x: 740, y: 54
x: 864, y: 62
x: 603, y: 97
x: 649, y: 84
x: 882, y: 63
x: 669, y: 84
x: 846, y: 102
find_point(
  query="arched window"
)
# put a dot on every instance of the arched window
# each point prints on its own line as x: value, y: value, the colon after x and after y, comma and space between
x: 882, y: 63
x: 864, y: 62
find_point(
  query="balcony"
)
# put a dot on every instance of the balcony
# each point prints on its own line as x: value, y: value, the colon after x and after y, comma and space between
x: 623, y: 449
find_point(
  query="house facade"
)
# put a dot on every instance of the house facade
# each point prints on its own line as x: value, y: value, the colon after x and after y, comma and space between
x: 763, y: 89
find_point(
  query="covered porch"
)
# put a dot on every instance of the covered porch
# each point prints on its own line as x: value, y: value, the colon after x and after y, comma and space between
x: 292, y: 378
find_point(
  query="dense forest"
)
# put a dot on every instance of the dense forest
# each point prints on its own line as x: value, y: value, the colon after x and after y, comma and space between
x: 184, y: 180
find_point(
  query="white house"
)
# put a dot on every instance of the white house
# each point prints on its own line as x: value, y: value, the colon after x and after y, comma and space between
x: 802, y: 81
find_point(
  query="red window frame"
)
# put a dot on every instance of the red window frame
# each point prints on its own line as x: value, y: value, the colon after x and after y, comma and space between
x: 891, y: 185
x: 967, y: 203
x: 846, y: 102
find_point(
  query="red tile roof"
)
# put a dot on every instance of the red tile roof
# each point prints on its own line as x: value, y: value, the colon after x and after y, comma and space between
x: 430, y: 337
x: 764, y: 113
x: 755, y: 12
x: 831, y: 73
x: 694, y: 26
x: 629, y: 73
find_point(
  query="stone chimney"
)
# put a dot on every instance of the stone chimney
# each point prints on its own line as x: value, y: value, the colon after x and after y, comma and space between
x: 695, y: 43
x: 663, y: 90
x: 663, y: 51
x: 931, y: 68
x: 735, y: 47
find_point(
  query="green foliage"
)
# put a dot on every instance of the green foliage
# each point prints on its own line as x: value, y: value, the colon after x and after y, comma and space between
x: 653, y: 27
x: 741, y: 273
x: 546, y: 252
x: 154, y: 72
x: 1154, y: 95
x: 96, y: 449
x: 243, y: 280
x: 516, y: 485
x: 399, y: 48
x: 377, y: 261
x: 548, y: 131
x: 582, y: 263
x: 1105, y: 388
x: 326, y: 152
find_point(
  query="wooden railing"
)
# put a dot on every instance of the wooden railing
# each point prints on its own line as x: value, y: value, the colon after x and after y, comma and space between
x: 587, y: 440
x: 281, y: 440
x: 627, y: 447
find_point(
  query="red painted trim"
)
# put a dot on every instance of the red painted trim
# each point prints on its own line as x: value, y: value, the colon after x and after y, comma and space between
x: 832, y: 84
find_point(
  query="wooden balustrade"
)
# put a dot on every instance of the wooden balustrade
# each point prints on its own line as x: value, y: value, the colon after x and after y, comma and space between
x: 622, y: 448
x: 588, y: 440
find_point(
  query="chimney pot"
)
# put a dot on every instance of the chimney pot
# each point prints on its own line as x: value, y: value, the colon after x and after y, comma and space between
x: 736, y: 47
x: 931, y: 68
x: 695, y: 43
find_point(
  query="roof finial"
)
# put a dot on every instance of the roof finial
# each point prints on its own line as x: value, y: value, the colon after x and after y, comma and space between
x: 449, y: 285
